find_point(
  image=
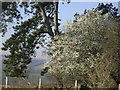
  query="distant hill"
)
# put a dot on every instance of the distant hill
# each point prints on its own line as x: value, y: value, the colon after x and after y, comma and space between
x: 33, y: 72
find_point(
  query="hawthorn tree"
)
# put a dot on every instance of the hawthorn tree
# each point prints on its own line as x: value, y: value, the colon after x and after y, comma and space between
x: 29, y: 34
x: 88, y: 51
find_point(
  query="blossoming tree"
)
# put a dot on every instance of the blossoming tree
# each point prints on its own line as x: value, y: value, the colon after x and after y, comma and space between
x: 88, y: 51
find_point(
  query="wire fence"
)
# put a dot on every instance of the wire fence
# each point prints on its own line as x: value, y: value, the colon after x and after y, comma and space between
x: 12, y: 82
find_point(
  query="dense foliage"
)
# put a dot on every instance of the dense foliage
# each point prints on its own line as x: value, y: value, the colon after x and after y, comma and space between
x: 88, y: 51
x: 29, y: 33
x: 105, y: 8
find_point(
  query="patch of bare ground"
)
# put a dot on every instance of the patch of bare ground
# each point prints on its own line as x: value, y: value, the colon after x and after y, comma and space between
x: 13, y: 86
x: 44, y: 87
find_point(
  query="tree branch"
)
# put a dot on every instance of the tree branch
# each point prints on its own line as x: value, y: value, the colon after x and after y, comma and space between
x: 51, y: 13
x: 56, y: 18
x: 46, y: 19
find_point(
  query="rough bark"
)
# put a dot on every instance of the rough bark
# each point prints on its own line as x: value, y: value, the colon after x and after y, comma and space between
x: 46, y: 19
x: 56, y: 18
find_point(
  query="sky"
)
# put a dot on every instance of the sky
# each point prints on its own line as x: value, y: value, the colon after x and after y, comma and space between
x: 66, y: 12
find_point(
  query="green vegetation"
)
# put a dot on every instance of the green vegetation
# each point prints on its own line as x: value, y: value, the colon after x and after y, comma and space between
x: 88, y: 52
x: 29, y: 34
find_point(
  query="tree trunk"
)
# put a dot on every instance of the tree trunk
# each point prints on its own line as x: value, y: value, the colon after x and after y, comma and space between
x: 46, y: 19
x: 56, y: 18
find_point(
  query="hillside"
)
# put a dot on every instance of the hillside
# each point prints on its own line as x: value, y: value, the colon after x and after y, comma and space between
x: 33, y: 73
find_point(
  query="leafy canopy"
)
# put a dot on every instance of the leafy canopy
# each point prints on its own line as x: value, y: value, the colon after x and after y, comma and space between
x: 29, y: 34
x: 88, y: 51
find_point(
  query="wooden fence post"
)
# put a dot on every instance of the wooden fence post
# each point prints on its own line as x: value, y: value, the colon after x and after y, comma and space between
x: 76, y: 84
x: 6, y: 82
x: 40, y: 83
x: 118, y: 86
